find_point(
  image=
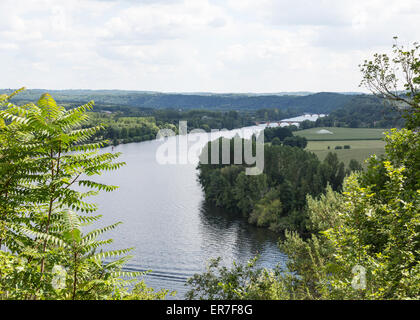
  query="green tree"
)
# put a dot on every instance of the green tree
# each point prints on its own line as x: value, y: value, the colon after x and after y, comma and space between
x: 45, y: 153
x: 248, y: 190
x: 268, y: 211
x: 276, y: 141
x: 383, y: 75
x: 354, y: 165
x: 296, y: 141
x: 332, y: 171
x: 246, y: 282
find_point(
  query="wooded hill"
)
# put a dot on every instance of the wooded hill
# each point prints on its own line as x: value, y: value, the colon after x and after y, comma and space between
x: 323, y: 102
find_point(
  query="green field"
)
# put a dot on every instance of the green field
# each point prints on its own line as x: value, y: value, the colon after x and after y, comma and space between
x: 354, y: 144
x: 359, y: 149
x: 341, y: 134
x: 363, y: 142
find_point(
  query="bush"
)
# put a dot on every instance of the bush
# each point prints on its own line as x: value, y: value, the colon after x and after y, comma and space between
x: 276, y: 141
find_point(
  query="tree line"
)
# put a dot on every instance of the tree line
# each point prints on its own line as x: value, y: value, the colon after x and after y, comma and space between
x: 323, y: 102
x: 276, y: 198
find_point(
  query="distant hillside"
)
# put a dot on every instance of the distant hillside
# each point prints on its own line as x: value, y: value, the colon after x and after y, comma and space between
x: 363, y: 111
x: 318, y: 103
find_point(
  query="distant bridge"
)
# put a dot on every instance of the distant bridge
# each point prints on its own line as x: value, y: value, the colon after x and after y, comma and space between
x: 291, y: 121
x: 278, y: 122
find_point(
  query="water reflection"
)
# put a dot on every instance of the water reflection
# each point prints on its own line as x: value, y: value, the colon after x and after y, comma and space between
x: 165, y: 219
x: 232, y: 234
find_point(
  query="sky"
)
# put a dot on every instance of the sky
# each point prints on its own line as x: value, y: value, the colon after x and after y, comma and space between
x: 198, y: 45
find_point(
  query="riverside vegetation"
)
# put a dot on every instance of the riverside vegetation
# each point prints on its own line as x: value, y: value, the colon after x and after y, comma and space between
x: 276, y: 198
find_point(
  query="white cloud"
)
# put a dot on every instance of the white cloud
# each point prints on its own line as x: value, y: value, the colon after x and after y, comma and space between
x: 197, y: 45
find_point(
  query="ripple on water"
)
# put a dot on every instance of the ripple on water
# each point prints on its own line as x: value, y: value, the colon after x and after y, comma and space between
x: 165, y: 219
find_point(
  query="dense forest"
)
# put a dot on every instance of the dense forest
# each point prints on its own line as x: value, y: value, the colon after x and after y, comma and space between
x: 276, y: 198
x: 317, y: 103
x: 362, y: 112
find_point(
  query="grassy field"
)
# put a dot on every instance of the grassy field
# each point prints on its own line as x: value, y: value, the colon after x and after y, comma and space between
x: 354, y: 144
x: 363, y: 142
x: 341, y: 134
x: 359, y: 149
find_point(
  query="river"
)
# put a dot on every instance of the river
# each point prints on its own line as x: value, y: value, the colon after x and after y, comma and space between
x: 165, y: 219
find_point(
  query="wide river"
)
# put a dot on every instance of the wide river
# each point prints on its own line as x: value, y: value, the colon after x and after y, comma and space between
x: 167, y: 222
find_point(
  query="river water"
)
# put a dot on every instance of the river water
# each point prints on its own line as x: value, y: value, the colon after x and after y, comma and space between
x: 166, y: 220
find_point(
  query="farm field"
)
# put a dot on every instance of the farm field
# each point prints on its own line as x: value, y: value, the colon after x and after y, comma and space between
x: 363, y: 142
x: 354, y: 144
x: 345, y: 155
x: 336, y: 133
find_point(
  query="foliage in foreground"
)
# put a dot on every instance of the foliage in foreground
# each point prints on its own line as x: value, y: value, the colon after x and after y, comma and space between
x: 45, y: 161
x: 240, y: 282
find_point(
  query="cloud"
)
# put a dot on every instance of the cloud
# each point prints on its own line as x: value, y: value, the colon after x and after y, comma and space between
x: 197, y: 45
x: 217, y: 22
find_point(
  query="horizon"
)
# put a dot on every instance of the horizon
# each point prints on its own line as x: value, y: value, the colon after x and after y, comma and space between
x: 301, y: 92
